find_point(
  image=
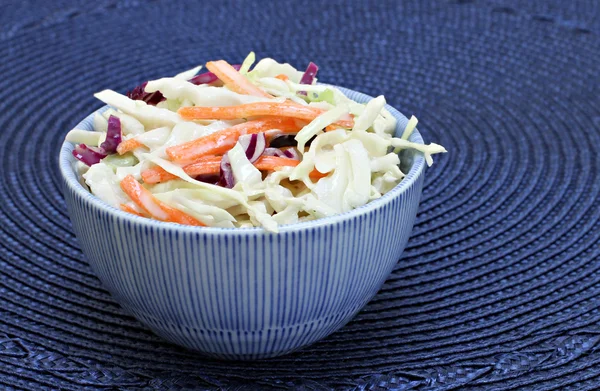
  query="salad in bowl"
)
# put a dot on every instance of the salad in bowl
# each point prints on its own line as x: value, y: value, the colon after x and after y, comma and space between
x: 241, y: 146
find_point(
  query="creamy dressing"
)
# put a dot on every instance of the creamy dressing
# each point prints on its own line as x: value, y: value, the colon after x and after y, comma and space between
x: 357, y: 162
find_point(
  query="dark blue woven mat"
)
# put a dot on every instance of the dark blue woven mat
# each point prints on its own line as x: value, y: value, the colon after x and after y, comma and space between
x: 498, y: 288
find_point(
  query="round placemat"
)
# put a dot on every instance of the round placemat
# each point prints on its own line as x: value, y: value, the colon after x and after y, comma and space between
x: 498, y: 286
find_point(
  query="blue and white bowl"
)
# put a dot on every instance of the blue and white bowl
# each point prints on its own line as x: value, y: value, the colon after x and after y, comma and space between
x: 246, y: 293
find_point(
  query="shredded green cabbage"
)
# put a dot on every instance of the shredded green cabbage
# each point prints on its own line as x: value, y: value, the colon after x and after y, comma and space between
x: 342, y: 168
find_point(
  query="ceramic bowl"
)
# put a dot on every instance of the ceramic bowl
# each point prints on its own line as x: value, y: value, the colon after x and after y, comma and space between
x: 246, y: 293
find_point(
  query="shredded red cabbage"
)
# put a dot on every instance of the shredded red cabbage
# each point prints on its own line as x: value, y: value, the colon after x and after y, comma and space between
x: 91, y: 155
x: 309, y: 74
x: 226, y: 173
x: 208, y: 77
x: 113, y: 135
x: 151, y: 98
x: 287, y: 140
x: 254, y: 145
x: 284, y: 140
x: 292, y: 153
x: 88, y: 155
x: 208, y: 178
x: 274, y: 152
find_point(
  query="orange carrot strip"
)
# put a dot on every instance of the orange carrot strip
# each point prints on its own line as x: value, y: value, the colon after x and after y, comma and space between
x: 315, y: 175
x: 204, y: 165
x: 285, y: 109
x: 347, y: 121
x: 281, y: 76
x: 212, y: 165
x: 128, y: 145
x: 222, y: 141
x: 233, y: 79
x: 154, y: 207
x: 129, y: 209
x: 271, y: 163
x: 156, y: 175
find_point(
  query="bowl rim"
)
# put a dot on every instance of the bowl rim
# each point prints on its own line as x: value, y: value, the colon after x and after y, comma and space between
x: 71, y: 180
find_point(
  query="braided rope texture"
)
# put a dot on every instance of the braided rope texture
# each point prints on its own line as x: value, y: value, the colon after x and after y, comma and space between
x: 498, y: 287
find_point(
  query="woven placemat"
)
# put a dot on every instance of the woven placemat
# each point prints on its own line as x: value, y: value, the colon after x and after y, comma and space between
x: 498, y: 288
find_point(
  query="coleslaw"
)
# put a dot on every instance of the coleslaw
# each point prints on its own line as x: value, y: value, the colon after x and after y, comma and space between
x: 241, y: 146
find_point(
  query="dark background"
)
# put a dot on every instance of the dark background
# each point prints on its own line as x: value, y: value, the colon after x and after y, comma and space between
x: 498, y: 288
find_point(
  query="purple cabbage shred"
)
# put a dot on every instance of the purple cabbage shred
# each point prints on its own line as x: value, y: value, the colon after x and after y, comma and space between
x: 113, y: 135
x: 139, y: 93
x: 226, y: 174
x: 208, y: 178
x: 309, y: 75
x: 254, y: 145
x: 88, y: 155
x: 292, y: 153
x: 208, y: 77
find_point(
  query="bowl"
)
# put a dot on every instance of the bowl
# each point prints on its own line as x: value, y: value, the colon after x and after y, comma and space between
x: 246, y: 293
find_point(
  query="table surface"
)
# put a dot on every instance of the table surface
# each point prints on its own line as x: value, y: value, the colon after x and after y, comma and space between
x: 498, y: 286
